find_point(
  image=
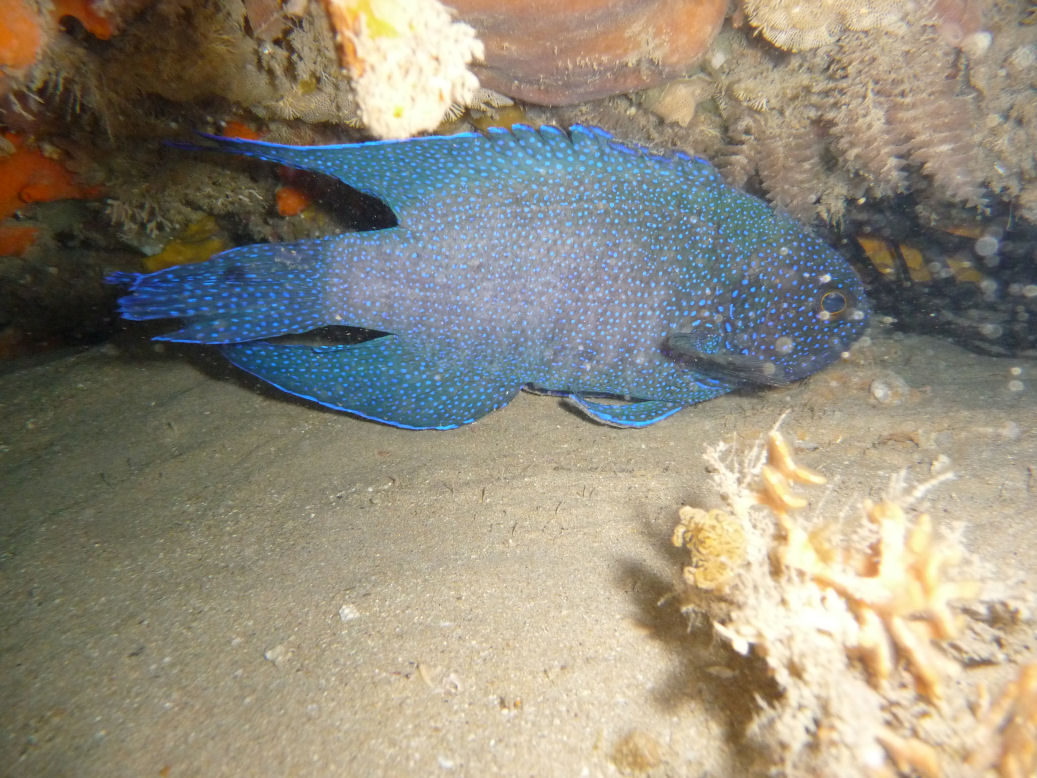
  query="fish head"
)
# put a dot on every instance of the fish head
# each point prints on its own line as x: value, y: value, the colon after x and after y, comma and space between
x: 779, y: 316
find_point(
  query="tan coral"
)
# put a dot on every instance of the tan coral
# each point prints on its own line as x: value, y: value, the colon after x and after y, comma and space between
x: 911, y: 754
x: 1008, y: 730
x: 1006, y: 733
x: 715, y: 542
x: 809, y: 604
x: 896, y: 589
x: 779, y: 472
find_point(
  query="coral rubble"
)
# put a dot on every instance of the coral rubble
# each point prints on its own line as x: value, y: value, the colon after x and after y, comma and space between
x: 854, y: 625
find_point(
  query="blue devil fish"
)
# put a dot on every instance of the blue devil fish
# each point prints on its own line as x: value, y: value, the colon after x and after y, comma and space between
x: 632, y: 283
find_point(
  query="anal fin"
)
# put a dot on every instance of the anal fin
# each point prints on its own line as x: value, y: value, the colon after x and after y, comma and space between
x: 382, y: 379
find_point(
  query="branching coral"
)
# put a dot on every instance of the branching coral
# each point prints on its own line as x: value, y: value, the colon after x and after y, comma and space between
x: 1001, y: 738
x: 1008, y: 730
x: 896, y: 589
x: 852, y: 624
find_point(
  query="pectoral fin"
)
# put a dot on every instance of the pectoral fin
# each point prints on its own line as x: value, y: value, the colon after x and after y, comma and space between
x: 626, y: 414
x: 708, y: 357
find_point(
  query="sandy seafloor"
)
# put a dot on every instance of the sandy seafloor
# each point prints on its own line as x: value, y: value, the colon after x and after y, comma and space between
x: 203, y: 577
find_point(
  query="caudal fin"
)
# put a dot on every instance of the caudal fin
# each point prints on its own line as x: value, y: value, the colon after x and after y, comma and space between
x: 239, y: 295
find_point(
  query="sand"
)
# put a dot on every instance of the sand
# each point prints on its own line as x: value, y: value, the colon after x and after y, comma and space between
x: 203, y: 577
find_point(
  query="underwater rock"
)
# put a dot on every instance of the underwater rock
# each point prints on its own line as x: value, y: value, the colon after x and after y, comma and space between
x: 29, y: 31
x: 797, y: 25
x: 677, y: 101
x: 973, y: 284
x: 562, y: 53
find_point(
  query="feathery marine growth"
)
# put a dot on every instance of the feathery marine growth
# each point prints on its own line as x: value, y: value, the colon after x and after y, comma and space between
x: 863, y: 627
x: 568, y: 263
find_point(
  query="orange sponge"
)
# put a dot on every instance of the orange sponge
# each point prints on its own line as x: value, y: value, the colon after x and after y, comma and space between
x: 21, y: 34
x: 27, y: 176
x: 15, y: 239
x: 291, y: 201
x: 83, y: 10
x: 236, y: 129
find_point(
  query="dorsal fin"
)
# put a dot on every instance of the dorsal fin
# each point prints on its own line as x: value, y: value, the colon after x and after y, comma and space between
x: 402, y: 173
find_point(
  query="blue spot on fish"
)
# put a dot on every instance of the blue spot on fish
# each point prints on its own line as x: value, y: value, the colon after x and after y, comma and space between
x: 632, y: 283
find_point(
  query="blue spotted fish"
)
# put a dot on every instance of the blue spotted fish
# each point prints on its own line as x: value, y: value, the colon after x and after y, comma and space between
x: 632, y: 283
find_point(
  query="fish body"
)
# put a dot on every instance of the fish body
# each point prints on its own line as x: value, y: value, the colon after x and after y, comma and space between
x: 564, y: 262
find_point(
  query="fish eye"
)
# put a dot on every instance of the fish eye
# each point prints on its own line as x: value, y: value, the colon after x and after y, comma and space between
x: 833, y: 302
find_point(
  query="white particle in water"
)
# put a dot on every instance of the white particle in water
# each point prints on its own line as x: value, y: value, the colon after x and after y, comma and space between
x: 986, y: 246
